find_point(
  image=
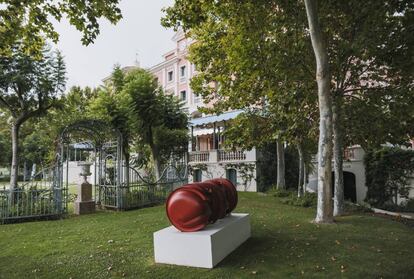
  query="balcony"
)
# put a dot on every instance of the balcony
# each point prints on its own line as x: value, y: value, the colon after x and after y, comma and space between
x: 215, y: 156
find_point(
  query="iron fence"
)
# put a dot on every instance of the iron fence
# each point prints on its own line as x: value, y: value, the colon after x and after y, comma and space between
x: 32, y: 202
x: 139, y: 189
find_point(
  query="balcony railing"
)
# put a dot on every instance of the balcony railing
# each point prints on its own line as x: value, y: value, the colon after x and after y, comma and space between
x: 214, y: 156
x: 199, y: 156
x: 237, y: 155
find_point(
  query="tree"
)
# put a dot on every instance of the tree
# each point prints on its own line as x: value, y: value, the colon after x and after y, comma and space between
x: 30, y: 21
x: 112, y: 106
x: 158, y: 118
x: 323, y: 78
x: 243, y: 47
x: 247, y: 51
x: 371, y: 74
x: 28, y: 88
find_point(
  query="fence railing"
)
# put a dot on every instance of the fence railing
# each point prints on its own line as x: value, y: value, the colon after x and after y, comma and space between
x: 30, y: 203
x: 199, y: 156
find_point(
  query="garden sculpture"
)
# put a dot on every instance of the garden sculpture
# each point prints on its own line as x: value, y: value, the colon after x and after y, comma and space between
x: 192, y: 207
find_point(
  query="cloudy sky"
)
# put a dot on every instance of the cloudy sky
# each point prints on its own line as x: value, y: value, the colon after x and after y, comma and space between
x: 139, y: 32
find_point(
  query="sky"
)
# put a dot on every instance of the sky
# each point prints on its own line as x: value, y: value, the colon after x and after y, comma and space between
x: 138, y: 32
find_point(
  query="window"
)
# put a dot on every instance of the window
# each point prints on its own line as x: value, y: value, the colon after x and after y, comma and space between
x: 197, y: 98
x: 170, y: 76
x: 183, y: 71
x: 231, y: 175
x: 183, y: 95
x: 197, y: 175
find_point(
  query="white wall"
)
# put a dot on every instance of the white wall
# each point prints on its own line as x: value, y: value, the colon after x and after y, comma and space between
x: 215, y: 170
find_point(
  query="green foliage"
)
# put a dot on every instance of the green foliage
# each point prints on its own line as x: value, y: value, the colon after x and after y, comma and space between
x: 157, y: 118
x: 36, y: 147
x: 388, y: 171
x: 291, y: 197
x: 264, y: 46
x: 5, y: 148
x: 32, y: 21
x: 406, y: 206
x: 278, y: 192
x: 308, y: 200
x: 28, y: 86
x: 267, y: 167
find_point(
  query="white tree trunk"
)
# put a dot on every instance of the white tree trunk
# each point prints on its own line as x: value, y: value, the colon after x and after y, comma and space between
x: 339, y: 206
x: 305, y: 177
x: 281, y: 184
x: 323, y: 78
x: 301, y: 167
x: 14, y: 172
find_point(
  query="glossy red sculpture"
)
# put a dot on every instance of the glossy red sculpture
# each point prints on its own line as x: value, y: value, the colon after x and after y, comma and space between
x: 193, y: 206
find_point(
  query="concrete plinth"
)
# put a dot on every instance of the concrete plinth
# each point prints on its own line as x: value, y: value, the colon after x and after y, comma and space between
x: 84, y: 203
x: 205, y: 248
x: 84, y: 207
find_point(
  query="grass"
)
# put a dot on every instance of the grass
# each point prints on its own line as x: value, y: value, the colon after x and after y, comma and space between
x: 284, y: 244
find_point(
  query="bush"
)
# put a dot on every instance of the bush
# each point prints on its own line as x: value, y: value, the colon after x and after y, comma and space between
x: 291, y: 197
x: 387, y: 173
x: 308, y: 200
x: 280, y: 193
x: 407, y: 206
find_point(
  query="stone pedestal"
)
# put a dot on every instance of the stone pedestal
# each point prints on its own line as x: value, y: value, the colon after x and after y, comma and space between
x: 204, y: 248
x: 84, y: 203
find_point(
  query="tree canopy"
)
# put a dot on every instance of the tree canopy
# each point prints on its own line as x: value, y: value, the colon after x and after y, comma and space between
x: 32, y: 21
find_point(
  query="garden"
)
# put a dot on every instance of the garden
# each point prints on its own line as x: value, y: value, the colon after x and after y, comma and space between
x: 311, y: 81
x: 284, y: 243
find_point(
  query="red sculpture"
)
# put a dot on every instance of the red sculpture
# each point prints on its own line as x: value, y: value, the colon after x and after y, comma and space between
x: 192, y: 207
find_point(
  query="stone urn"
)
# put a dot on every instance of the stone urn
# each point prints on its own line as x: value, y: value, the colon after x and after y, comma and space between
x: 84, y: 203
x: 85, y: 170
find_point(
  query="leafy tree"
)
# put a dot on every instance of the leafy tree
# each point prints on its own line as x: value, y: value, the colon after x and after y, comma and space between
x: 247, y: 50
x: 158, y: 118
x: 112, y: 105
x: 30, y: 21
x: 262, y: 35
x: 370, y: 60
x: 28, y: 88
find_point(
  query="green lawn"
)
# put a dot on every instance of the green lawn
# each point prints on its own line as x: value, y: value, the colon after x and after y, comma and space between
x: 284, y: 244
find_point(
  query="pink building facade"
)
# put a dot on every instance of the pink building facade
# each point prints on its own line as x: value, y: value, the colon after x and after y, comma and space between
x: 175, y: 72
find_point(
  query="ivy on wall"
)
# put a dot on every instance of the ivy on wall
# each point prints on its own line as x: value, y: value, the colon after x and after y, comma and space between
x: 388, y: 172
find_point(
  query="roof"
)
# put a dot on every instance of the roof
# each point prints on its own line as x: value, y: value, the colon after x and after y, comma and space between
x: 215, y: 118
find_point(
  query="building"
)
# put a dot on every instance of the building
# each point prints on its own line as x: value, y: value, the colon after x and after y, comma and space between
x: 207, y: 158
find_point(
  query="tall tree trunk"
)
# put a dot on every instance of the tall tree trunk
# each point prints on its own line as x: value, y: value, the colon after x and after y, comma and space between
x: 301, y: 164
x: 155, y: 154
x: 155, y: 158
x: 323, y: 78
x: 305, y: 177
x: 339, y: 206
x: 281, y: 184
x: 14, y: 172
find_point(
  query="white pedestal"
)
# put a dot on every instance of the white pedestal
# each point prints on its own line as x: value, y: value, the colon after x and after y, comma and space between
x: 204, y: 248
